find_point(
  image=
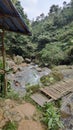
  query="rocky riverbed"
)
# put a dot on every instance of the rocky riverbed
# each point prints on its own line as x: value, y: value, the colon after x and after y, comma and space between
x: 29, y: 74
x: 25, y: 75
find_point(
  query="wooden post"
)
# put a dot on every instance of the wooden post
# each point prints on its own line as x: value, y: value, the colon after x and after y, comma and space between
x: 4, y: 63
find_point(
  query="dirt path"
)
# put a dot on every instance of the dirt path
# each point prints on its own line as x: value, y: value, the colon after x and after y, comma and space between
x: 24, y: 114
x: 30, y: 125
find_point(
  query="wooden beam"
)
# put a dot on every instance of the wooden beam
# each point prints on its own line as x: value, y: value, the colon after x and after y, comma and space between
x: 15, y: 31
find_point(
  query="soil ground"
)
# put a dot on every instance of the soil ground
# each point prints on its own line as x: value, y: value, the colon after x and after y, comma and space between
x: 24, y: 114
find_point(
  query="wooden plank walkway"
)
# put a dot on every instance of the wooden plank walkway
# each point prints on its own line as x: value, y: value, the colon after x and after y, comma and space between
x: 53, y: 92
x: 40, y: 98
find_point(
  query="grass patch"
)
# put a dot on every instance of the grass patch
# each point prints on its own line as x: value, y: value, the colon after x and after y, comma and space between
x: 13, y: 95
x: 58, y: 103
x: 10, y: 126
x: 52, y: 78
x: 32, y: 89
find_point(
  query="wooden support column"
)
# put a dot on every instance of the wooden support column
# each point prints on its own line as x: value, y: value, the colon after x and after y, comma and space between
x: 4, y: 63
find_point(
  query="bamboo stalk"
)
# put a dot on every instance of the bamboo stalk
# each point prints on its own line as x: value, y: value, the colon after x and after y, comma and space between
x: 4, y: 63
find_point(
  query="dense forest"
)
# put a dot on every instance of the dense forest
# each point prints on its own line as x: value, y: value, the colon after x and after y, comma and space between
x: 51, y: 42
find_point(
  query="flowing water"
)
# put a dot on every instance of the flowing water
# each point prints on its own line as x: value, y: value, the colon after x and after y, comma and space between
x: 27, y: 76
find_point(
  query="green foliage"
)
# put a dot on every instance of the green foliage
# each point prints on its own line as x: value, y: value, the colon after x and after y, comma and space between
x: 51, y: 54
x: 32, y: 89
x: 10, y: 126
x: 50, y: 43
x: 16, y: 43
x: 52, y: 78
x: 51, y: 117
x: 58, y: 103
x: 13, y: 95
x: 70, y: 54
x: 18, y: 59
x: 1, y: 64
x: 53, y: 36
x: 14, y: 1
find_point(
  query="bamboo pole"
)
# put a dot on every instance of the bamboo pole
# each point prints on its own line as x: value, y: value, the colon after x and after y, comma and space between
x: 4, y: 63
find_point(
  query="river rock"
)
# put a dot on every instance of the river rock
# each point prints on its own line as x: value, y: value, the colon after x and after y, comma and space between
x: 45, y: 71
x: 67, y: 112
x: 18, y: 59
x: 10, y: 63
x: 67, y: 106
x: 27, y: 60
x: 15, y: 69
x: 9, y: 103
x: 17, y: 84
x: 39, y: 69
x: 24, y: 64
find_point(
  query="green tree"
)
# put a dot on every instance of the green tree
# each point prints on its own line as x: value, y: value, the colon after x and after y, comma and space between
x: 16, y: 43
x: 51, y: 55
x: 14, y: 1
x: 54, y: 9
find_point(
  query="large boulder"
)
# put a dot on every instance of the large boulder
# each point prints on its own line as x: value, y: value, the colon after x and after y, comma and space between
x: 67, y: 112
x: 18, y: 59
x: 67, y: 106
x: 27, y: 60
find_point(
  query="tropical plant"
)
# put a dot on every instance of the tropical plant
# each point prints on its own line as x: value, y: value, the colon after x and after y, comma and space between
x: 51, y: 117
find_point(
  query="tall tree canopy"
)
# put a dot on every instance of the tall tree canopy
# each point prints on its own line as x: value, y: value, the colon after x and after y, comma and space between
x: 16, y: 43
x: 52, y: 36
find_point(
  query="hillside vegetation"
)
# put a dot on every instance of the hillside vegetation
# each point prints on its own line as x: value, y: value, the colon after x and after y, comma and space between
x: 51, y: 42
x: 53, y: 35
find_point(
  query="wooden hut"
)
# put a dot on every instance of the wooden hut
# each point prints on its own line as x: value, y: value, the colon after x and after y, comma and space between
x: 10, y: 20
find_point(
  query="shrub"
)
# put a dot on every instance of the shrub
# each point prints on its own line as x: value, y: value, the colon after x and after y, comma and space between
x: 51, y: 117
x: 51, y: 55
x: 32, y: 89
x: 18, y: 59
x: 52, y: 78
x: 13, y: 95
